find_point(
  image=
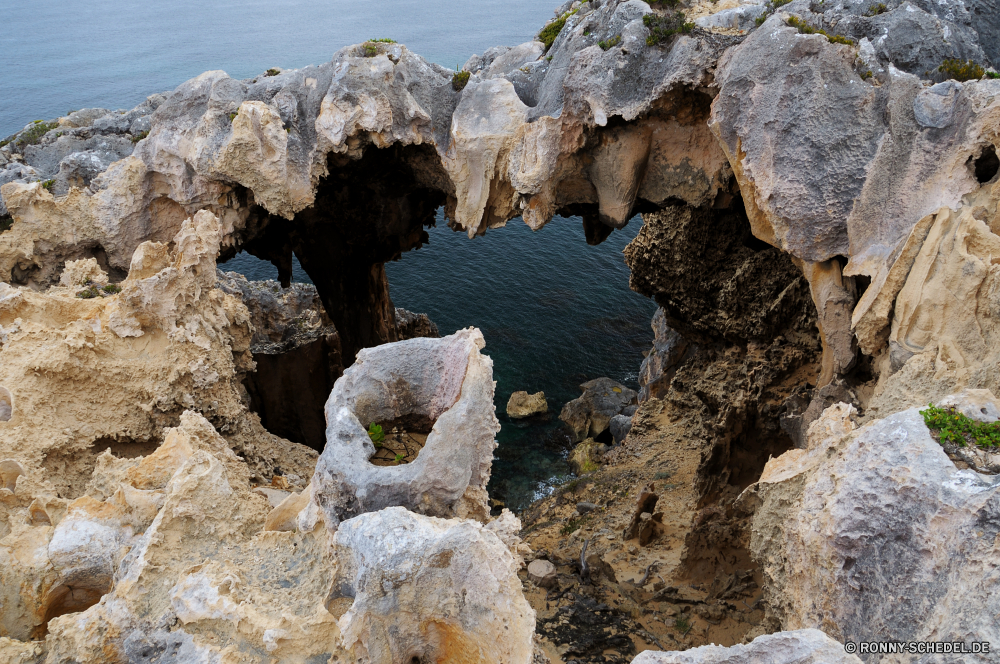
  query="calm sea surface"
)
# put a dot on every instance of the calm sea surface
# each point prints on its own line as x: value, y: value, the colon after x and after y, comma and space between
x: 555, y: 312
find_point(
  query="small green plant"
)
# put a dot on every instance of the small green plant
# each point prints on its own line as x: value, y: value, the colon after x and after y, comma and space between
x: 375, y: 432
x: 47, y: 184
x: 662, y: 475
x: 992, y: 74
x: 681, y: 624
x: 93, y: 290
x: 369, y: 49
x: 877, y: 9
x: 806, y: 29
x: 571, y: 486
x: 668, y: 3
x: 232, y: 116
x: 6, y: 222
x: 143, y: 134
x: 460, y: 80
x: 962, y: 70
x: 549, y: 33
x: 89, y: 293
x: 112, y: 289
x: 33, y: 134
x: 662, y: 28
x: 400, y: 457
x: 949, y: 426
x: 272, y: 72
x: 588, y: 466
x: 610, y: 43
x: 570, y: 526
x: 770, y: 8
x: 548, y: 58
x: 865, y: 75
x: 384, y: 40
x: 586, y: 33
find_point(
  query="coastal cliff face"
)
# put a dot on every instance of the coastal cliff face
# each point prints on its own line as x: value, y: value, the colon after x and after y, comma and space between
x: 820, y: 208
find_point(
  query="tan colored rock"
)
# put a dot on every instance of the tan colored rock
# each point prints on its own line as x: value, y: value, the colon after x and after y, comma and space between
x: 542, y: 573
x: 78, y: 273
x: 521, y: 404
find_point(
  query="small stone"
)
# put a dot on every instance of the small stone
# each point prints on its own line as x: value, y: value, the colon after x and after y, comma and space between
x: 585, y: 507
x: 542, y: 573
x: 522, y: 405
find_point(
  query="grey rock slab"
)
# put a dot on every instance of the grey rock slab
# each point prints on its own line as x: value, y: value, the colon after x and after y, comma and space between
x: 591, y: 413
x: 620, y: 425
x: 446, y: 381
x: 804, y: 646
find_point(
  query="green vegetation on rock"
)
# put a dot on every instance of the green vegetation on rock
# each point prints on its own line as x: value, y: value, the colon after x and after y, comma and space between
x: 947, y: 425
x: 962, y: 70
x: 662, y: 28
x: 141, y: 135
x: 272, y: 72
x: 460, y: 80
x: 375, y: 432
x: 610, y: 43
x: 877, y: 9
x: 369, y: 49
x: 47, y: 184
x: 383, y: 40
x: 769, y: 9
x: 32, y: 135
x: 549, y: 33
x: 806, y: 29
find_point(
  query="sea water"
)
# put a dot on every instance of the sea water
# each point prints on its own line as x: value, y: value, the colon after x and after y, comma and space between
x: 555, y: 312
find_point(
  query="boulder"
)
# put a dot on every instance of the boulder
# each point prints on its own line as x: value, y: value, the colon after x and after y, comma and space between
x: 804, y: 646
x: 442, y: 387
x: 872, y: 533
x: 409, y: 587
x: 620, y: 425
x: 410, y: 325
x: 589, y: 415
x: 542, y: 573
x: 587, y: 456
x: 522, y: 405
x: 658, y: 368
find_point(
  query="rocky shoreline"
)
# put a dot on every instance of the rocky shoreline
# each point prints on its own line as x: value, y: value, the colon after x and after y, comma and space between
x: 185, y: 455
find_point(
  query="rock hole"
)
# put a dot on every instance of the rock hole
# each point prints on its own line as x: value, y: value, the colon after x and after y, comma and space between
x: 987, y: 165
x: 70, y: 468
x: 6, y: 405
x: 63, y: 600
x: 403, y: 438
x: 982, y: 410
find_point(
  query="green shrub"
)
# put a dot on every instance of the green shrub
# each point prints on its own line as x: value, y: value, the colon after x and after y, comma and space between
x: 549, y: 33
x: 877, y: 9
x: 369, y: 49
x: 770, y: 8
x: 668, y: 3
x: 806, y: 29
x: 962, y: 70
x: 662, y: 28
x: 47, y: 184
x: 375, y: 432
x: 681, y: 624
x: 662, y: 475
x: 400, y: 457
x: 33, y: 134
x: 272, y: 72
x: 570, y: 526
x: 112, y: 289
x: 992, y: 74
x: 610, y: 43
x: 143, y: 134
x: 460, y: 80
x: 384, y: 40
x: 232, y: 116
x: 948, y: 425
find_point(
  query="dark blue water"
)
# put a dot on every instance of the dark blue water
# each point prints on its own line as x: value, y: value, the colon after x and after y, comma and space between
x: 64, y: 55
x: 555, y: 312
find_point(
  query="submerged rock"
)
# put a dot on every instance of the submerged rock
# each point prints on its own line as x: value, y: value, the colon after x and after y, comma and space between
x: 442, y: 387
x: 522, y: 405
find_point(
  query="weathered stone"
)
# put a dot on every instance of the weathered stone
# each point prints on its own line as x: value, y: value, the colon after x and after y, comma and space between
x: 658, y: 368
x: 442, y: 387
x: 542, y: 573
x: 836, y: 557
x: 414, y: 587
x: 410, y: 325
x: 619, y: 426
x: 804, y: 646
x: 521, y: 405
x: 590, y: 414
x: 585, y: 507
x: 587, y: 456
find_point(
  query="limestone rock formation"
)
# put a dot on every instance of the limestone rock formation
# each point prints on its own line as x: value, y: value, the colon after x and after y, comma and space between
x: 441, y: 387
x: 428, y: 589
x: 657, y: 370
x: 590, y: 414
x: 410, y: 325
x: 804, y: 646
x: 522, y: 405
x: 873, y: 531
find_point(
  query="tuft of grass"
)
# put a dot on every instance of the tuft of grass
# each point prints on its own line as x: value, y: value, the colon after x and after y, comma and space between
x: 570, y: 526
x: 681, y: 624
x: 383, y: 40
x: 32, y: 135
x: 460, y: 80
x: 948, y: 425
x: 143, y: 134
x: 369, y: 49
x: 662, y: 28
x: 48, y: 184
x: 549, y: 33
x: 806, y: 29
x: 6, y: 222
x: 400, y: 457
x: 992, y: 74
x: 610, y: 43
x: 662, y: 475
x: 668, y: 3
x: 232, y: 116
x: 92, y: 290
x: 375, y: 432
x: 112, y: 289
x: 769, y: 8
x: 877, y: 9
x: 272, y: 72
x: 962, y: 70
x: 588, y: 466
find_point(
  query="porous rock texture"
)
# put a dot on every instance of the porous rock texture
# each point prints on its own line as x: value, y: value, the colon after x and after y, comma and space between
x: 804, y: 646
x: 590, y: 414
x: 442, y: 387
